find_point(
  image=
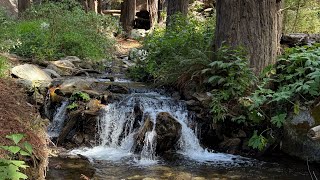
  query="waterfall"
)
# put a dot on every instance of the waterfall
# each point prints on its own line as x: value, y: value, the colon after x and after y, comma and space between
x: 59, y: 117
x: 118, y: 126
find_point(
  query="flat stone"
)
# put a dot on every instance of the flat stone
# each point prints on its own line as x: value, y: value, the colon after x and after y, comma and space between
x: 30, y: 72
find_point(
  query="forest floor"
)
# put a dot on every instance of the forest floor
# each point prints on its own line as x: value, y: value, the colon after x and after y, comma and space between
x: 125, y: 45
x: 18, y: 116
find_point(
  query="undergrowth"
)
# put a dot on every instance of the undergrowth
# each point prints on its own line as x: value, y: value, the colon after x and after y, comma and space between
x: 54, y: 30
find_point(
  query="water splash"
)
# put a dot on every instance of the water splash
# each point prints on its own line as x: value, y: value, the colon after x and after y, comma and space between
x: 59, y: 117
x: 119, y: 125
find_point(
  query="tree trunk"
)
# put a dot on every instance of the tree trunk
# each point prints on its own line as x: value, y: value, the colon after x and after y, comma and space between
x: 92, y: 5
x: 175, y: 6
x: 99, y: 8
x: 153, y: 10
x: 23, y: 5
x: 252, y: 24
x: 128, y: 12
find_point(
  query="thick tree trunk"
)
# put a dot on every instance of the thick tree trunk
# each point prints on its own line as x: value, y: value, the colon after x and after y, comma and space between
x: 128, y: 12
x: 92, y: 5
x: 252, y: 24
x: 175, y: 6
x: 153, y: 10
x: 23, y: 5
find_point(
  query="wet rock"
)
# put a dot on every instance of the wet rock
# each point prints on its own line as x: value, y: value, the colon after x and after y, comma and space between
x: 30, y: 72
x: 168, y: 131
x: 176, y: 96
x: 295, y: 141
x: 140, y: 136
x: 183, y: 176
x: 114, y: 88
x: 230, y: 145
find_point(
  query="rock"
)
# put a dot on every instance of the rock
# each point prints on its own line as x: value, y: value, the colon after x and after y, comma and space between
x: 299, y: 39
x: 93, y: 107
x: 63, y: 67
x: 75, y: 84
x: 295, y: 141
x: 30, y: 72
x: 204, y: 98
x: 168, y: 131
x: 176, y: 95
x: 52, y: 73
x: 115, y: 88
x: 138, y: 33
x: 230, y: 145
x: 239, y: 134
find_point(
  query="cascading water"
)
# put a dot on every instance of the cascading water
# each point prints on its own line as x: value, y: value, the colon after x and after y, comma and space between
x: 59, y: 117
x: 118, y: 127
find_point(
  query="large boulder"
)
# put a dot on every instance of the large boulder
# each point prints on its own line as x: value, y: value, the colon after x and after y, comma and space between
x: 30, y: 72
x: 296, y: 142
x: 168, y: 131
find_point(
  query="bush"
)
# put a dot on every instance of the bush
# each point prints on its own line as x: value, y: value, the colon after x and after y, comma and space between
x: 177, y: 53
x: 54, y: 30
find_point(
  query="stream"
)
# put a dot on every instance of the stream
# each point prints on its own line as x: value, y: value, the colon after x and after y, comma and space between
x: 119, y: 154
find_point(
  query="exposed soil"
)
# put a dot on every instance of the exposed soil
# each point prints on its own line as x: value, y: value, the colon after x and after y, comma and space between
x: 18, y: 116
x: 125, y: 45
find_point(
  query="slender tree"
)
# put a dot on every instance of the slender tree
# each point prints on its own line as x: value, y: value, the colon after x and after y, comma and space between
x: 23, y: 5
x: 252, y: 24
x: 128, y: 12
x: 175, y: 6
x: 153, y: 10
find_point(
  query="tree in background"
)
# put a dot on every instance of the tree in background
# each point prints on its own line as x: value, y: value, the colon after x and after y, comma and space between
x: 176, y: 6
x: 23, y: 5
x: 128, y: 12
x: 252, y: 24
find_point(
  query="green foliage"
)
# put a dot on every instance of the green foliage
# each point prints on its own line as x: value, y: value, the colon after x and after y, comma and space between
x: 176, y: 53
x: 11, y: 168
x: 278, y: 120
x: 3, y: 66
x: 230, y: 77
x: 72, y: 106
x: 80, y: 96
x: 302, y: 16
x: 54, y: 30
x: 257, y: 141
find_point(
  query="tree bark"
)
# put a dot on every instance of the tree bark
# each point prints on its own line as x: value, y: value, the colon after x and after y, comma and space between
x: 99, y: 8
x: 153, y: 10
x: 92, y: 5
x: 23, y: 5
x: 175, y: 6
x: 128, y: 12
x: 253, y: 24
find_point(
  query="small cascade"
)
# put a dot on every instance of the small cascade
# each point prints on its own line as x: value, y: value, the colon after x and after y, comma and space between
x: 123, y: 123
x: 56, y: 125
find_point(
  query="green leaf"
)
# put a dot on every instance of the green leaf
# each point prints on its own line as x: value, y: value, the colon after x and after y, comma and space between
x: 28, y: 147
x: 257, y: 141
x: 279, y: 119
x: 16, y: 138
x: 296, y: 108
x: 12, y: 149
x: 24, y: 153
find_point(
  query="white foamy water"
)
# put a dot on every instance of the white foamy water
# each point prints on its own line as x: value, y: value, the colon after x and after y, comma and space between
x: 59, y: 117
x: 118, y: 126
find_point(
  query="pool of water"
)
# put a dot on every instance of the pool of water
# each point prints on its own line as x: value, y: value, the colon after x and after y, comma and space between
x: 177, y: 167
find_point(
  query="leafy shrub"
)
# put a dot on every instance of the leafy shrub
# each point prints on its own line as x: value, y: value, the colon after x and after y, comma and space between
x: 177, y: 53
x: 54, y: 30
x: 10, y: 168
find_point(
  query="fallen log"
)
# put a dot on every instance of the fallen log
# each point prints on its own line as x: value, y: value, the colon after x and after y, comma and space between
x: 299, y: 39
x: 111, y: 12
x: 314, y: 133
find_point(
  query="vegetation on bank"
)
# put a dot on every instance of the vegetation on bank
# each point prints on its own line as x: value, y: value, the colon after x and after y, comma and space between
x: 182, y: 56
x: 54, y: 30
